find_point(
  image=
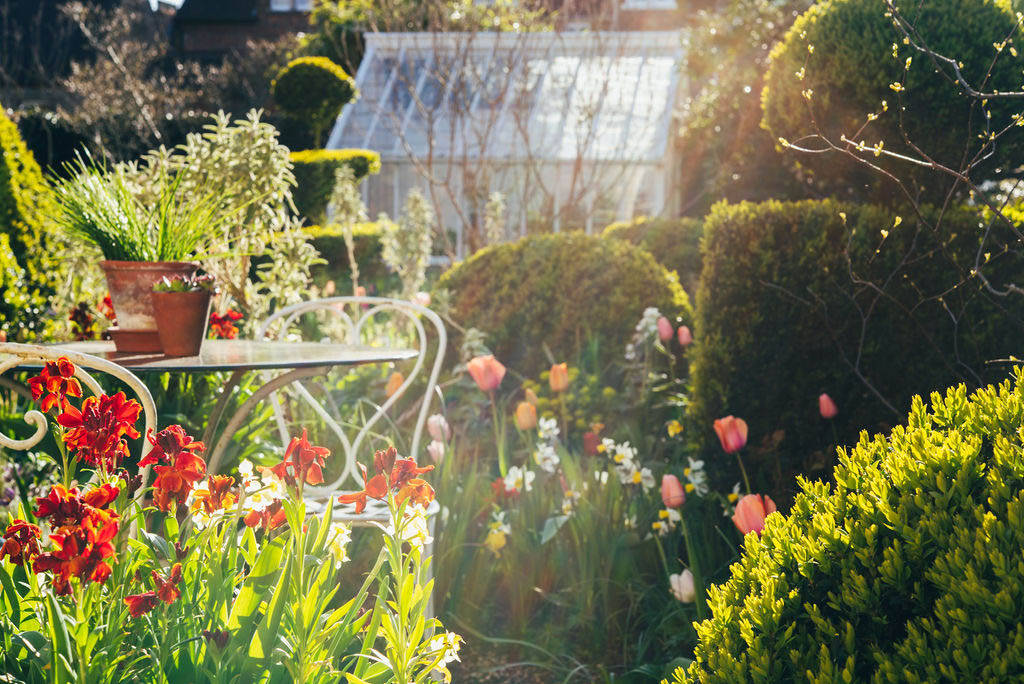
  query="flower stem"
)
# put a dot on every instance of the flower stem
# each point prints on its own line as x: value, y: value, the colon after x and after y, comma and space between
x: 499, y: 437
x: 698, y: 576
x: 743, y: 471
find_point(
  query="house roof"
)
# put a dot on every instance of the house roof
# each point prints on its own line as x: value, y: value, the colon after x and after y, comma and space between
x: 545, y: 96
x: 217, y: 11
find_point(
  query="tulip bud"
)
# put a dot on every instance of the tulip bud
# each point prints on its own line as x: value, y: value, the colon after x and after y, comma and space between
x: 530, y: 396
x: 684, y: 335
x: 422, y: 298
x: 559, y: 377
x: 394, y: 383
x: 487, y: 372
x: 682, y: 586
x: 330, y: 288
x: 672, y: 493
x: 438, y: 427
x: 360, y: 291
x: 751, y: 511
x: 827, y: 407
x: 664, y: 329
x: 526, y: 416
x: 732, y: 433
x: 436, y: 451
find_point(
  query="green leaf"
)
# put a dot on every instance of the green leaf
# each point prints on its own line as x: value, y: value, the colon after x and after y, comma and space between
x: 266, y: 633
x: 260, y: 577
x: 551, y: 527
x: 12, y: 596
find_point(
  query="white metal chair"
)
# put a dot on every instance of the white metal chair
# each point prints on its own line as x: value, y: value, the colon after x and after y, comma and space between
x: 13, y: 356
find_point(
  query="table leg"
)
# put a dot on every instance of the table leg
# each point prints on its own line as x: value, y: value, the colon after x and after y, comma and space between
x: 245, y: 409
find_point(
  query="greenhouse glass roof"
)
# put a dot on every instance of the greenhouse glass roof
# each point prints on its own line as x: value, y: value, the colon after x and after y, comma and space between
x: 548, y: 97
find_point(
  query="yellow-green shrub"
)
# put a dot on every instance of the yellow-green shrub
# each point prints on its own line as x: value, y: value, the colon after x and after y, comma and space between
x: 907, y: 570
x: 315, y: 176
x: 795, y: 300
x: 675, y: 243
x: 559, y: 290
x: 27, y: 260
x: 313, y: 89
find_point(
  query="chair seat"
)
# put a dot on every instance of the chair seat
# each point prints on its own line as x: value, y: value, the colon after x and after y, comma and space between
x: 375, y: 511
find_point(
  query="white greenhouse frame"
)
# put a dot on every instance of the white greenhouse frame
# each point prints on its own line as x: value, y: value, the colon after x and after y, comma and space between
x: 574, y: 129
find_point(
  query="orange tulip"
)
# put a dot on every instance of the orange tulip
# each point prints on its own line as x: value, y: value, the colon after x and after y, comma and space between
x: 732, y: 433
x: 664, y: 329
x: 751, y: 511
x: 684, y: 335
x: 394, y: 383
x: 526, y: 416
x: 672, y: 493
x: 559, y: 377
x: 487, y: 372
x: 827, y: 407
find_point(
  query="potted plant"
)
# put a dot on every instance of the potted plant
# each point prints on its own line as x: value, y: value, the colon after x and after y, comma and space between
x: 140, y: 244
x: 181, y: 306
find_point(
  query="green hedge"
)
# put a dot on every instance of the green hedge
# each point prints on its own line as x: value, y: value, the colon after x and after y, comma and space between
x: 559, y: 290
x: 28, y: 268
x: 674, y: 243
x: 907, y: 570
x: 315, y: 172
x: 780, y: 320
x: 313, y: 89
x: 850, y: 74
x: 329, y: 241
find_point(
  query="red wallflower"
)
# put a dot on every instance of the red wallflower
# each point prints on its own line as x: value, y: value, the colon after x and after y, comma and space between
x: 302, y: 462
x: 402, y: 479
x: 223, y: 326
x: 217, y: 495
x: 21, y: 542
x: 219, y: 637
x: 106, y: 308
x: 184, y: 467
x: 58, y: 382
x: 271, y: 517
x: 140, y: 604
x: 83, y: 325
x: 96, y: 431
x: 166, y: 591
x: 69, y: 510
x: 81, y: 553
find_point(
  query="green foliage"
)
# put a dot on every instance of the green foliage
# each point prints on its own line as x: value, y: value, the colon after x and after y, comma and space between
x: 602, y: 288
x: 315, y: 172
x: 28, y: 267
x: 313, y: 89
x: 674, y: 243
x: 795, y: 300
x: 330, y: 242
x: 905, y: 571
x: 859, y: 55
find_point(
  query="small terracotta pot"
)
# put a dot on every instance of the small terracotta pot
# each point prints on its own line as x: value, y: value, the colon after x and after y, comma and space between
x: 181, y: 320
x: 130, y: 284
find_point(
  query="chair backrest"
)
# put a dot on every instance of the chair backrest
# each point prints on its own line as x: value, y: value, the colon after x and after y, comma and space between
x: 13, y: 356
x: 354, y: 315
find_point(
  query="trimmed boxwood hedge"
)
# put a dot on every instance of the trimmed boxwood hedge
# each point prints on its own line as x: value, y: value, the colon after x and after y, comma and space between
x: 674, y: 242
x: 907, y: 570
x: 330, y: 242
x: 559, y: 290
x: 850, y: 74
x: 313, y: 90
x: 785, y: 298
x: 315, y: 173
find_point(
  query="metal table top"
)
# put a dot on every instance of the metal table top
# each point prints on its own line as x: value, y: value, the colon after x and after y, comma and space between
x: 240, y: 355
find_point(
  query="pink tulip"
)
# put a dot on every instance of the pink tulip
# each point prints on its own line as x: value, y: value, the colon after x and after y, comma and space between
x: 664, y: 329
x: 439, y: 429
x: 672, y: 493
x: 422, y: 298
x: 732, y: 433
x: 751, y: 511
x: 487, y: 372
x: 436, y: 451
x: 684, y: 335
x: 827, y: 407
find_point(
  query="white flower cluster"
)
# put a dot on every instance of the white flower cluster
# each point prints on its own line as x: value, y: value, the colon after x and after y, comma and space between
x: 667, y: 520
x: 547, y: 430
x: 519, y: 479
x: 629, y: 470
x: 446, y: 647
x: 415, y: 528
x: 339, y: 535
x: 545, y: 456
x: 645, y: 330
x: 698, y: 479
x: 569, y: 501
x: 260, y: 490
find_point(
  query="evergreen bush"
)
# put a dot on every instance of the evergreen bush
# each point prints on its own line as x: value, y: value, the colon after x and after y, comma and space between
x: 559, y: 290
x: 313, y: 89
x: 315, y: 177
x: 906, y: 570
x: 674, y: 243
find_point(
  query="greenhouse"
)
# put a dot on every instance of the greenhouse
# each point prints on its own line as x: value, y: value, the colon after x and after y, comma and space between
x: 573, y: 127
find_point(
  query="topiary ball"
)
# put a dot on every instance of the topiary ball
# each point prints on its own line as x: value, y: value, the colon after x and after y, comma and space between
x: 313, y: 89
x: 561, y: 290
x: 909, y: 569
x: 847, y: 54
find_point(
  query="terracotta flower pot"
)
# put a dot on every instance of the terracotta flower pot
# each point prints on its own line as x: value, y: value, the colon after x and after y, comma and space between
x: 181, y: 320
x: 130, y: 284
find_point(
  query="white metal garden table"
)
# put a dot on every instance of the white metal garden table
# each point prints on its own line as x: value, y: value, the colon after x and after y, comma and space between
x: 296, y: 360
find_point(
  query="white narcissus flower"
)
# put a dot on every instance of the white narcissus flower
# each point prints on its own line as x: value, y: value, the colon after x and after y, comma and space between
x: 548, y: 430
x: 519, y: 480
x: 414, y: 528
x: 340, y: 535
x: 647, y: 479
x: 682, y: 586
x: 438, y: 427
x: 546, y: 458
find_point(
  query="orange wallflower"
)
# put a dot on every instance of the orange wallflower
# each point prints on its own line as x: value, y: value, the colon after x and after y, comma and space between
x: 391, y: 472
x: 271, y: 517
x: 95, y: 433
x: 166, y: 591
x: 302, y: 462
x: 223, y: 326
x: 57, y: 382
x: 21, y: 542
x: 184, y: 468
x: 217, y: 495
